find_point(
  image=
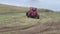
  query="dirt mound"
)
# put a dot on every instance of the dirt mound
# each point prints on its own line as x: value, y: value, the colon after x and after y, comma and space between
x: 49, y: 27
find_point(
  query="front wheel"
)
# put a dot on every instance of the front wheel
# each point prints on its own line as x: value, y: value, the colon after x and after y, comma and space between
x: 27, y: 14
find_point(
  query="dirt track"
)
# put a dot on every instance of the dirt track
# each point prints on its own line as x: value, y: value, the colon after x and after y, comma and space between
x: 38, y: 28
x: 28, y: 29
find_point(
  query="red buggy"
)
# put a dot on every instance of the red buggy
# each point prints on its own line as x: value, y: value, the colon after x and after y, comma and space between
x: 33, y: 13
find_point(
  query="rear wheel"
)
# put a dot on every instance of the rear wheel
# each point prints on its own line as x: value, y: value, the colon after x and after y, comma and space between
x: 37, y: 16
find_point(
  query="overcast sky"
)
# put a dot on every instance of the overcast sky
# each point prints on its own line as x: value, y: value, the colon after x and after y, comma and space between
x: 48, y: 4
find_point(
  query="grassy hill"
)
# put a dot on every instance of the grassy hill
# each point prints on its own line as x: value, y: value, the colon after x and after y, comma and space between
x: 9, y: 8
x: 11, y: 12
x: 13, y: 21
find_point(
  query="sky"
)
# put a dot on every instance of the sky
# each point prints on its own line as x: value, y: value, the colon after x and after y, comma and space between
x: 47, y: 4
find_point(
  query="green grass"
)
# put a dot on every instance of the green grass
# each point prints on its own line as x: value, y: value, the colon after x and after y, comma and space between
x: 10, y: 20
x: 13, y: 16
x: 50, y: 17
x: 6, y: 16
x: 17, y: 19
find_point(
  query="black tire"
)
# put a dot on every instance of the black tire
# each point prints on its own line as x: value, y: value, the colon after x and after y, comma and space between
x: 37, y: 16
x: 27, y: 14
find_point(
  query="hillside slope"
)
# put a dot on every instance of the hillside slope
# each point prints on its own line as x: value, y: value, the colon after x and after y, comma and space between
x: 12, y: 21
x: 9, y: 8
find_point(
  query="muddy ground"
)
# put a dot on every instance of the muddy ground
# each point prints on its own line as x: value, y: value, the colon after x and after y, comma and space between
x: 37, y: 28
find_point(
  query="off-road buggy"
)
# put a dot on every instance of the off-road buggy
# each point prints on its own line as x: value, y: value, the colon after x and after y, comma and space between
x: 32, y: 12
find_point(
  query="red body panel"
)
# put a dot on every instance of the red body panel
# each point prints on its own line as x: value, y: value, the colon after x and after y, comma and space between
x: 33, y: 11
